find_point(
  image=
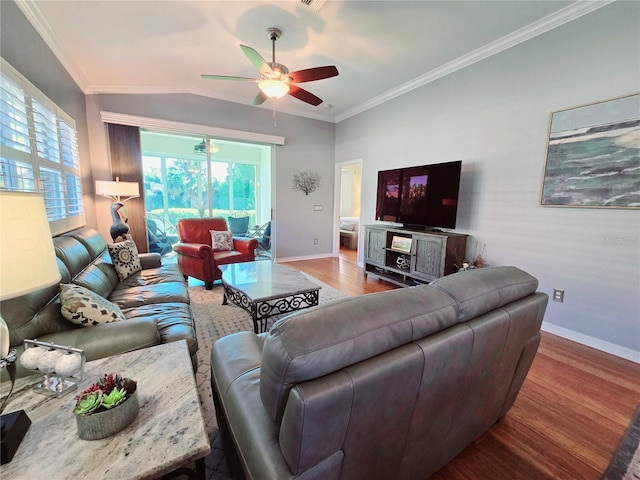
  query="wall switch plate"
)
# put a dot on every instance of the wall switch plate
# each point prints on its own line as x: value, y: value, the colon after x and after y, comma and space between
x: 315, y: 241
x: 558, y: 295
x: 317, y: 208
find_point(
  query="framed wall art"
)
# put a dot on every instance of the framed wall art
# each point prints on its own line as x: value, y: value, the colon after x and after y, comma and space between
x: 401, y: 244
x: 593, y: 156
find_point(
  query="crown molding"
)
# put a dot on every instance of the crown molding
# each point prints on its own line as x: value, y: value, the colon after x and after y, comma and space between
x: 550, y: 22
x: 168, y: 89
x: 171, y: 126
x: 37, y: 20
x: 565, y: 15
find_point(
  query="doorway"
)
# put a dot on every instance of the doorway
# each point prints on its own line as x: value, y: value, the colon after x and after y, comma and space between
x: 349, y: 190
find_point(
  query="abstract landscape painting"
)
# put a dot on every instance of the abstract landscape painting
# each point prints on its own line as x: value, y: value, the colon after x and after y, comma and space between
x: 593, y: 158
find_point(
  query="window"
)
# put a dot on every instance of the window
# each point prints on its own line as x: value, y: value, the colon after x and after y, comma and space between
x: 39, y: 150
x: 182, y: 181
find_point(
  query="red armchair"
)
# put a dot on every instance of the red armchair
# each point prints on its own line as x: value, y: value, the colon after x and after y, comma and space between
x: 195, y: 255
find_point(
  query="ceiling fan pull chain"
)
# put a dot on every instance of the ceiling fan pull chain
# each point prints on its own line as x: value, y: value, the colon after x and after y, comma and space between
x: 274, y: 112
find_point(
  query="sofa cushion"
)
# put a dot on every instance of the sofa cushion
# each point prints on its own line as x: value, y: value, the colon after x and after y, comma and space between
x: 221, y: 241
x: 166, y: 273
x: 92, y: 241
x: 169, y: 292
x: 125, y: 258
x: 86, y: 308
x: 173, y: 321
x: 483, y: 289
x: 324, y: 339
x: 99, y: 277
x: 73, y: 254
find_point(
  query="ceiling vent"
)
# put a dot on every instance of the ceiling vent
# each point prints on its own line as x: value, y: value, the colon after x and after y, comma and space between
x: 314, y: 4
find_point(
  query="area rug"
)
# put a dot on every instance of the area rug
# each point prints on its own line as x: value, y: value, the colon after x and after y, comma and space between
x: 625, y: 464
x: 214, y: 320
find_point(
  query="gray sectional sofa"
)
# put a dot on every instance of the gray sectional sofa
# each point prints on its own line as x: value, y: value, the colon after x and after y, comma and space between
x: 390, y: 385
x: 154, y: 301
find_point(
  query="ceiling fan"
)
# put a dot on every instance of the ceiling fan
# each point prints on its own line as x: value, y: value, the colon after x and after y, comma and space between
x: 275, y: 79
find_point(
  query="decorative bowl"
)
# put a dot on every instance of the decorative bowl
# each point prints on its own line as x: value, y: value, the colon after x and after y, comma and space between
x: 104, y: 424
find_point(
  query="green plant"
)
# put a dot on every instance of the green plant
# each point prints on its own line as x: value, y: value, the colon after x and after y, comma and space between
x: 109, y: 391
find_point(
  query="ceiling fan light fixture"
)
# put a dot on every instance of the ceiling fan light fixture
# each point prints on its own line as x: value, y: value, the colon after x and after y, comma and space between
x: 273, y: 88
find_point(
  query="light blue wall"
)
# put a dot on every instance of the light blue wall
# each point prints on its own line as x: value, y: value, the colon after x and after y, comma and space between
x: 494, y: 116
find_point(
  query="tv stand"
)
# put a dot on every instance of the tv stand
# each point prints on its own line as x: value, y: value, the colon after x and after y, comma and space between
x: 420, y: 228
x: 409, y: 257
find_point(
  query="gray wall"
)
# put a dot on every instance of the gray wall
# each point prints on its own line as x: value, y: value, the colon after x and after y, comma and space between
x: 309, y: 145
x: 494, y: 116
x: 22, y: 47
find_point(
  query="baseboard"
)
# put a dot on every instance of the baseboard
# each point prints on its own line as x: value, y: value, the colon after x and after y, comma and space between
x: 304, y: 257
x: 608, y: 347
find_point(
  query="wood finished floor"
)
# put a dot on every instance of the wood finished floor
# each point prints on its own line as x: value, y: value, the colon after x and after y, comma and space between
x: 572, y: 410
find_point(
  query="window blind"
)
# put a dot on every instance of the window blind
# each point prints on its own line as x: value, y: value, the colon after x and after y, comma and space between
x: 39, y: 149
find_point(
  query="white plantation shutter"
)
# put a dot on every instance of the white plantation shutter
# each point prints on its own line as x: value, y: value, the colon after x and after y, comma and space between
x: 39, y: 150
x: 15, y: 124
x: 46, y: 128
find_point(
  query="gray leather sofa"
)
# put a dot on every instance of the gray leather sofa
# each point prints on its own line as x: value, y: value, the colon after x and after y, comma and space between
x: 155, y: 303
x: 390, y: 385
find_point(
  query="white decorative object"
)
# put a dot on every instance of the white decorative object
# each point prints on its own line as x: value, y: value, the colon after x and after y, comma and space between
x: 4, y: 338
x: 68, y: 364
x: 62, y: 366
x: 30, y: 358
x: 47, y: 363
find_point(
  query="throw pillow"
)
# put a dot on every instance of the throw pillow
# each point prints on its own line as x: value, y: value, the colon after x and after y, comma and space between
x: 86, y: 308
x: 347, y: 226
x: 221, y: 240
x: 124, y: 256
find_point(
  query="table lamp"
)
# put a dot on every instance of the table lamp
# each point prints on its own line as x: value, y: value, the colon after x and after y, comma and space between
x: 119, y: 192
x: 27, y: 263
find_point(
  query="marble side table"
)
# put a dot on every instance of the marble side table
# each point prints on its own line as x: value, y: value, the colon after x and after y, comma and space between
x: 265, y: 289
x: 169, y: 432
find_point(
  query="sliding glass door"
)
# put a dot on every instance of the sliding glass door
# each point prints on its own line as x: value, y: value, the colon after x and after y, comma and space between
x: 192, y: 177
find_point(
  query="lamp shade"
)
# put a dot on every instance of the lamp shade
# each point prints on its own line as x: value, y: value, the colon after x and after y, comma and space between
x: 117, y: 190
x: 27, y: 257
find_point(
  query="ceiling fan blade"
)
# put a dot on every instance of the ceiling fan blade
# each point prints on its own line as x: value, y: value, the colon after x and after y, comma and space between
x: 303, y: 95
x: 260, y: 98
x: 226, y: 77
x: 311, y: 74
x: 256, y: 59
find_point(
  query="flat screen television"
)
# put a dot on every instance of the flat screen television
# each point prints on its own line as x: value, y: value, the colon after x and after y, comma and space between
x: 423, y: 197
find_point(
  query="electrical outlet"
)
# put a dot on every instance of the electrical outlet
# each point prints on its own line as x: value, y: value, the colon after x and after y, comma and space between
x: 558, y: 295
x: 315, y: 241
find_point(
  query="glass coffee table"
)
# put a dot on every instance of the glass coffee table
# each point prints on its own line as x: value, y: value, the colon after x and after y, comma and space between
x: 265, y: 289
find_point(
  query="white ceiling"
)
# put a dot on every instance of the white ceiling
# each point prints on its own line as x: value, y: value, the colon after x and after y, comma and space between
x: 381, y: 48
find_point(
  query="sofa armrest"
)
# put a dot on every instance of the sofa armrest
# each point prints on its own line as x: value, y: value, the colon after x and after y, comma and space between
x: 245, y: 245
x: 101, y: 341
x: 196, y: 250
x: 150, y: 260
